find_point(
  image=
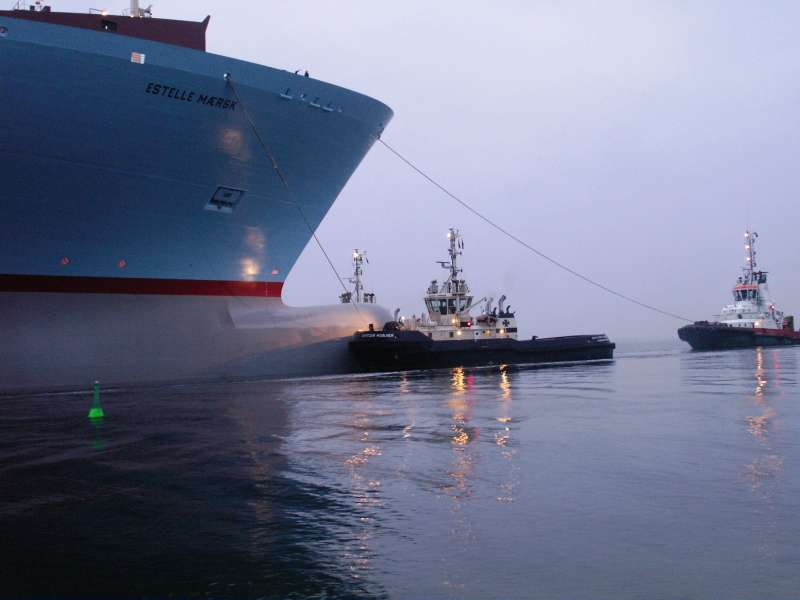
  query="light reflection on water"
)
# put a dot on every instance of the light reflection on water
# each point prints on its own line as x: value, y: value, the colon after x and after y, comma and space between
x: 503, y: 439
x: 766, y: 471
x: 587, y: 481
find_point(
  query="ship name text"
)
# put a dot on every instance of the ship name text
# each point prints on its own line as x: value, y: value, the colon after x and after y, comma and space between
x: 167, y: 91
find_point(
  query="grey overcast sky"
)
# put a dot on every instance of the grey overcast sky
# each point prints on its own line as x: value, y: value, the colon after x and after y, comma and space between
x: 633, y: 141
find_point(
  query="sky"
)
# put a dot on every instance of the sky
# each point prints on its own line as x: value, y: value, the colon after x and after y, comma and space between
x: 632, y: 141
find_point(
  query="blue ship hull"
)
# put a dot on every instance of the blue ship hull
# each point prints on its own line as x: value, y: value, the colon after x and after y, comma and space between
x: 129, y: 168
x: 97, y: 170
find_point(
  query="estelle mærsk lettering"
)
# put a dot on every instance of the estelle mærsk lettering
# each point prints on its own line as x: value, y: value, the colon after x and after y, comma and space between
x: 167, y: 91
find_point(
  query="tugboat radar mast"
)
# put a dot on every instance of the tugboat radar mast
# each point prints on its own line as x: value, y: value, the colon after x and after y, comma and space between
x: 358, y: 273
x: 358, y: 295
x: 456, y: 246
x: 750, y: 259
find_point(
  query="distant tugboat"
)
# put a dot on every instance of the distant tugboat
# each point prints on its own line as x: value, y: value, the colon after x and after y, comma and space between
x: 449, y: 336
x: 752, y: 320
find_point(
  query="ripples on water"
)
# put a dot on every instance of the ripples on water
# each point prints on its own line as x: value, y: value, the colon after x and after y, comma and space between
x: 665, y: 474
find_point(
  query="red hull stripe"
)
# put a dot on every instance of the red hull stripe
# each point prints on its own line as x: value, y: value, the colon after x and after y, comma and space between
x: 788, y: 333
x: 120, y: 285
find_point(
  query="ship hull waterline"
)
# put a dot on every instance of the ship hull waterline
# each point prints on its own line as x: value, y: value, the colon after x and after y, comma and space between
x: 62, y: 341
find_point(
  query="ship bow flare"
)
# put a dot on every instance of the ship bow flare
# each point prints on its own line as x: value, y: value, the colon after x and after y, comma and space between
x: 138, y: 190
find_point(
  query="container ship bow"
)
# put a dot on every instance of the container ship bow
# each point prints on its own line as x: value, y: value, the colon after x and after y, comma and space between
x: 146, y: 236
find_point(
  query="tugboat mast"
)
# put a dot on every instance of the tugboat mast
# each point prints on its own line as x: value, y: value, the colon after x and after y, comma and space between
x: 456, y: 246
x: 750, y: 259
x: 358, y: 273
x: 358, y: 295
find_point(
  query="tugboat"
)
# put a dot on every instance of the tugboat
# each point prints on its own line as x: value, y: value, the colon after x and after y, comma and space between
x: 447, y: 335
x: 752, y: 319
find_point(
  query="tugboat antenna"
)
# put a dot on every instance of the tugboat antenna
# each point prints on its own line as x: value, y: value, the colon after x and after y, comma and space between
x: 750, y: 259
x: 454, y: 250
x: 359, y: 257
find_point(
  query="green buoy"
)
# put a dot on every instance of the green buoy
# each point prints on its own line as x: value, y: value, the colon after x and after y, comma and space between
x: 96, y: 412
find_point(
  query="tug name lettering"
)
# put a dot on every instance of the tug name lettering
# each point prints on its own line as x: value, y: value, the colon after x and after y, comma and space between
x: 167, y: 91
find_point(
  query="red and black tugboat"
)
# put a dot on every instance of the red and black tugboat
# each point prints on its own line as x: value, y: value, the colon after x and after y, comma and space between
x: 752, y: 319
x: 449, y: 336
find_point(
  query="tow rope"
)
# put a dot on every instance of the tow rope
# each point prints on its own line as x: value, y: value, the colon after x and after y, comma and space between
x: 524, y: 244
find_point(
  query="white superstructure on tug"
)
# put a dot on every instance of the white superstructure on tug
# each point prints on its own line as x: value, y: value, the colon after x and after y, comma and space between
x: 448, y: 306
x: 752, y: 306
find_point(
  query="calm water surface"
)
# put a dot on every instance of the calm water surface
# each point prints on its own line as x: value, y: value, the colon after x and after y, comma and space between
x: 665, y: 474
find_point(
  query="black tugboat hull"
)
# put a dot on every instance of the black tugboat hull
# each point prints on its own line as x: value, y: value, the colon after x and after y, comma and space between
x: 410, y: 350
x: 715, y: 336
